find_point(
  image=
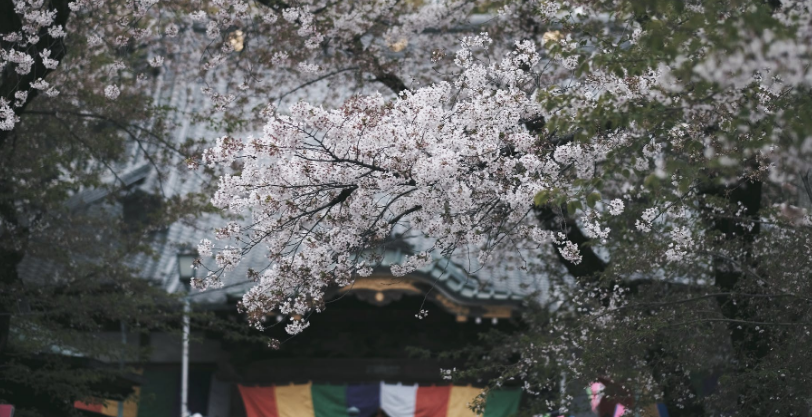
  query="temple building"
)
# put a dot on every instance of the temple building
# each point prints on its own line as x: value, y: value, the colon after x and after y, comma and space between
x: 361, y: 343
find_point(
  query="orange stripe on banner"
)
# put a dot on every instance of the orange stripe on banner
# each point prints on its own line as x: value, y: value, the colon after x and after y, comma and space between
x: 432, y: 401
x: 459, y: 403
x: 259, y: 401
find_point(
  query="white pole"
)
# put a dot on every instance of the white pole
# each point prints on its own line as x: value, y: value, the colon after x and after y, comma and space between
x: 184, y: 390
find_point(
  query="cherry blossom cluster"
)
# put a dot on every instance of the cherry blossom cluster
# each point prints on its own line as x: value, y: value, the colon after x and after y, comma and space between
x: 327, y: 189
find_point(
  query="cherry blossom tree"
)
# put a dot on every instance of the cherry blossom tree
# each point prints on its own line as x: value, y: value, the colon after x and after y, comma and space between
x: 646, y: 158
x: 653, y: 152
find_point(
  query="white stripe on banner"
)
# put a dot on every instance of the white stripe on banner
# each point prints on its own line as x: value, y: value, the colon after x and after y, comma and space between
x: 398, y: 400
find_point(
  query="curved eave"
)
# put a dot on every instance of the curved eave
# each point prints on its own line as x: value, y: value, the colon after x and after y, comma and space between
x: 382, y: 288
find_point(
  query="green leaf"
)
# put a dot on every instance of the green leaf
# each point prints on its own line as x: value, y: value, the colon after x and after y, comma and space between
x: 541, y: 198
x: 652, y: 181
x: 592, y: 198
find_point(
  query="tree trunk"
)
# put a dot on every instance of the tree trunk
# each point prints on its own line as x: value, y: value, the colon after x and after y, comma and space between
x: 9, y: 260
x: 748, y: 196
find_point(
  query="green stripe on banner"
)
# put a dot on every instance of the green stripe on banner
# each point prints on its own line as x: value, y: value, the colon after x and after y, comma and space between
x: 329, y: 400
x: 502, y: 403
x: 160, y: 393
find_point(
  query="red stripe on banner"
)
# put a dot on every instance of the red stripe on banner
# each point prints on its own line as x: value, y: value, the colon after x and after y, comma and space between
x: 94, y: 408
x: 259, y: 401
x: 432, y: 401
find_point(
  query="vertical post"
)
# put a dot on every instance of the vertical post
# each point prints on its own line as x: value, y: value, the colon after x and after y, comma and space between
x: 184, y: 378
x: 186, y: 272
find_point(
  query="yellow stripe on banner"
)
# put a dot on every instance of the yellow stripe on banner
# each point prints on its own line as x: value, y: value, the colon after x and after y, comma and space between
x: 130, y: 406
x: 110, y: 408
x: 650, y: 411
x: 460, y: 400
x: 294, y: 400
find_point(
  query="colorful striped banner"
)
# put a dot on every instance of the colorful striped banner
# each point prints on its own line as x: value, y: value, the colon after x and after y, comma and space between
x: 396, y: 400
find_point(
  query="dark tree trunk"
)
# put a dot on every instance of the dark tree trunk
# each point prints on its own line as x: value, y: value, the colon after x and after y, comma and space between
x: 745, y: 340
x: 9, y: 260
